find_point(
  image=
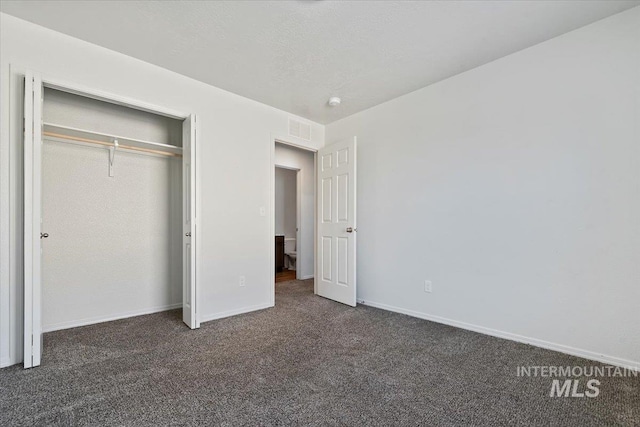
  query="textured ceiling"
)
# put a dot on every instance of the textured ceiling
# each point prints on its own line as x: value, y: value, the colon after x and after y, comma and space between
x: 293, y: 55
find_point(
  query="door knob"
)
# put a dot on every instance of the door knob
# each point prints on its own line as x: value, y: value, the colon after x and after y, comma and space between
x: 188, y: 234
x: 349, y: 230
x: 44, y: 235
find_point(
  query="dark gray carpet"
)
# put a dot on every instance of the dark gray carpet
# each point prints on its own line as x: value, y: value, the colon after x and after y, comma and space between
x: 308, y: 361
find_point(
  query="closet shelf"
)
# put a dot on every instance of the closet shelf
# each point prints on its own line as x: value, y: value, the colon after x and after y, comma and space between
x: 67, y: 133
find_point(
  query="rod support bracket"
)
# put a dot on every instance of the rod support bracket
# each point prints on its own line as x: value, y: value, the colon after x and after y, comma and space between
x: 112, y: 156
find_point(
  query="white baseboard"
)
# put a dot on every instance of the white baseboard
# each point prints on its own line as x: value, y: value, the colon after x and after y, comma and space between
x: 5, y: 362
x: 586, y: 354
x: 308, y: 276
x: 100, y: 319
x: 229, y: 313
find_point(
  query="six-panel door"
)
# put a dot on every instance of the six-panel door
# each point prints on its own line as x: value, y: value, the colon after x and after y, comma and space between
x: 336, y: 251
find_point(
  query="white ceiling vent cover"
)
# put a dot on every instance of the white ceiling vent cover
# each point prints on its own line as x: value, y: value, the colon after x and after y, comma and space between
x: 299, y: 129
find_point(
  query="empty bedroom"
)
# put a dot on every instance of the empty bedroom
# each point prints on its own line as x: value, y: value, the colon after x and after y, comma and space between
x: 318, y: 212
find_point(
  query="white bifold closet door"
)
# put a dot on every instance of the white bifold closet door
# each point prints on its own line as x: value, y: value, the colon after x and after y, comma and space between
x: 35, y: 239
x: 336, y: 204
x: 32, y: 219
x: 189, y: 306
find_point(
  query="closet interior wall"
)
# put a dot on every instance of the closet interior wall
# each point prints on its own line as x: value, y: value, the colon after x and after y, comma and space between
x: 115, y: 242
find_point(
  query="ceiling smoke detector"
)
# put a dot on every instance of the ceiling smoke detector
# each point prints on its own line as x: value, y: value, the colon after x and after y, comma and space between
x: 334, y: 101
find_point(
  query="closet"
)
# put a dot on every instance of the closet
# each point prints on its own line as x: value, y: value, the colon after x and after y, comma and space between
x: 109, y: 207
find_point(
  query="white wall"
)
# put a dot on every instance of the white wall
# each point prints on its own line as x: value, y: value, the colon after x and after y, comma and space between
x: 514, y: 187
x: 296, y: 158
x: 115, y: 243
x: 235, y: 138
x: 80, y: 112
x: 285, y: 200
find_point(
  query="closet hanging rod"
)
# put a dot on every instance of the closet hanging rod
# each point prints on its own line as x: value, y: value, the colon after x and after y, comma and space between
x: 79, y: 135
x: 110, y: 144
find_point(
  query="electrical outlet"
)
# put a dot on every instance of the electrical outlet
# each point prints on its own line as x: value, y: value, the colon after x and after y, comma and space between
x: 428, y: 286
x: 242, y: 281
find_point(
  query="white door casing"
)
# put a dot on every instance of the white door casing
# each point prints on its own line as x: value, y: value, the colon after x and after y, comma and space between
x: 189, y: 222
x: 336, y: 204
x: 32, y: 219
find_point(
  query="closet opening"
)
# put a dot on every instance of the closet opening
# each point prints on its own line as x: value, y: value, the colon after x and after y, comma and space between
x: 112, y: 210
x: 109, y: 212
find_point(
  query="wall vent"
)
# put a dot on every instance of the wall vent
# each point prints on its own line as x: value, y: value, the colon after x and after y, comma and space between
x: 299, y: 129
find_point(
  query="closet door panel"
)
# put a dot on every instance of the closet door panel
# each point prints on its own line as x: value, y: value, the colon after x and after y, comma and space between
x: 189, y: 299
x: 32, y: 219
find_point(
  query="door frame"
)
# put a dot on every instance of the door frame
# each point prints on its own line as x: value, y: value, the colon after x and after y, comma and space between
x: 273, y: 140
x: 87, y: 92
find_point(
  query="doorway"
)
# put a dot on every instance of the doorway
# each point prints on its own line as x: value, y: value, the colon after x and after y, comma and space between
x: 287, y: 218
x: 330, y: 231
x: 294, y: 207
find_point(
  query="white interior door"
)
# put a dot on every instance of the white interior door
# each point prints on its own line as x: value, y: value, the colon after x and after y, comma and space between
x: 32, y: 219
x: 336, y: 240
x: 189, y: 300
